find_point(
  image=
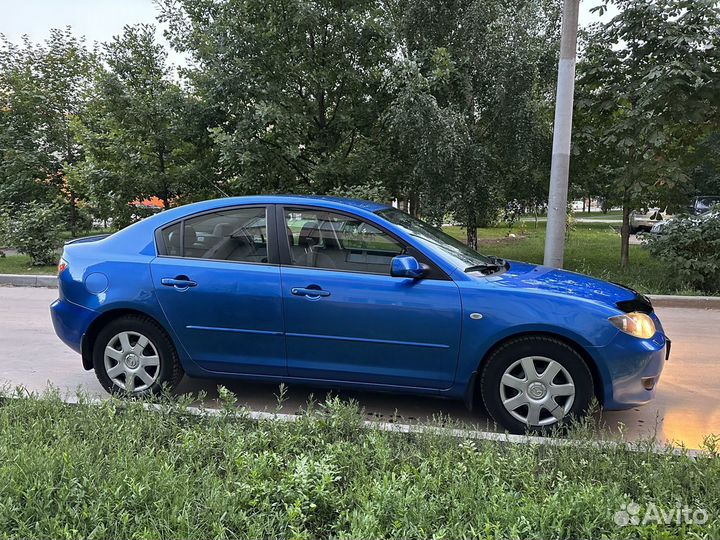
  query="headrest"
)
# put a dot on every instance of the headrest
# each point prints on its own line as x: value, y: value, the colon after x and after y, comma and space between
x: 190, y: 236
x: 309, y: 235
x: 222, y: 230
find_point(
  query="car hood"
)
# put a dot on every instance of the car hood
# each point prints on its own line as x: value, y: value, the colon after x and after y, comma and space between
x: 544, y: 278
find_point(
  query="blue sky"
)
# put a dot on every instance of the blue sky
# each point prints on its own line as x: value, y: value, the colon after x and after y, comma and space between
x: 99, y: 20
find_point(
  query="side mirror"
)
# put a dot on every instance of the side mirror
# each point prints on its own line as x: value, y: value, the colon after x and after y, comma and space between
x: 406, y: 266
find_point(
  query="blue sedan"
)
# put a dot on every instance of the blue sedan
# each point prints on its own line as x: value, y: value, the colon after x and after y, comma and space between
x: 343, y: 293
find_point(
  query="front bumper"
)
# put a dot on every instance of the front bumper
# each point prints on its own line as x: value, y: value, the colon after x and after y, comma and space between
x: 631, y: 368
x: 71, y: 322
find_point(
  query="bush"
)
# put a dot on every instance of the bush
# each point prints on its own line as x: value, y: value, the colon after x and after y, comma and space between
x: 118, y: 470
x: 35, y: 230
x: 691, y: 248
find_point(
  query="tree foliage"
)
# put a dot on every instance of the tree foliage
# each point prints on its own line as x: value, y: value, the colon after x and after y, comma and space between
x: 650, y: 81
x: 296, y: 86
x: 691, y: 247
x: 481, y: 73
x: 140, y: 131
x: 43, y: 87
x: 33, y: 228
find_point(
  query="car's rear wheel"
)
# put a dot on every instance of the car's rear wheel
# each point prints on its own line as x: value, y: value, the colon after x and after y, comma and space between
x: 133, y: 355
x: 534, y: 383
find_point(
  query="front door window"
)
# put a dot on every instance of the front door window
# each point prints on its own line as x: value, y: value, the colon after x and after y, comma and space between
x: 331, y: 241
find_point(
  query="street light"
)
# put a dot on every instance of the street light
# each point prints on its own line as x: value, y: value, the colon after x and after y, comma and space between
x: 560, y: 168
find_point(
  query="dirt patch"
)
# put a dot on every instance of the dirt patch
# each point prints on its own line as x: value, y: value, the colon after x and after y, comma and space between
x: 502, y: 240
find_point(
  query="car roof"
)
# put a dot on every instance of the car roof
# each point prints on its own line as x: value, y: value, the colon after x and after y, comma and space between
x: 337, y: 203
x: 370, y: 206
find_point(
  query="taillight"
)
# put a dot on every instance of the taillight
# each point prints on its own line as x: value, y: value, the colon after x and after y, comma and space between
x: 62, y: 265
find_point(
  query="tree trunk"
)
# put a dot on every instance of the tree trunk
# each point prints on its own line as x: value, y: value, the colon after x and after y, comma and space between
x: 165, y: 194
x: 472, y: 230
x: 414, y: 204
x: 70, y: 159
x: 74, y: 217
x: 625, y: 235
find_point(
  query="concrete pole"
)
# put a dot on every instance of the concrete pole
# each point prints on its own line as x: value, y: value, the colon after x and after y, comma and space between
x: 560, y: 168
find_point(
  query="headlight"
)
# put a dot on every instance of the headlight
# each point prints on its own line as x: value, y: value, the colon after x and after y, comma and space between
x: 636, y: 324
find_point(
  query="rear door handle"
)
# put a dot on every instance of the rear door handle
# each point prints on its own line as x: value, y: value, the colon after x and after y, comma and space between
x: 301, y: 291
x: 180, y: 282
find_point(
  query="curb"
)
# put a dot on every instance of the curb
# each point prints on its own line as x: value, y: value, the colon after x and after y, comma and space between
x: 658, y: 300
x: 690, y: 302
x: 29, y: 280
x: 410, y: 429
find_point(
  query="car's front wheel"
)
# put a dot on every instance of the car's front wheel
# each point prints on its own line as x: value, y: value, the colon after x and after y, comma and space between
x: 133, y: 355
x: 534, y: 383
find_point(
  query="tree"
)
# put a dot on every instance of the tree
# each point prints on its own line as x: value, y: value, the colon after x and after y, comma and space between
x: 652, y: 79
x: 42, y: 88
x: 141, y: 131
x: 34, y: 229
x: 297, y: 86
x: 424, y: 143
x: 489, y: 67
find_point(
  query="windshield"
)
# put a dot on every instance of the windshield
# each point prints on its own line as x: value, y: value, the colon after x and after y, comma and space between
x: 704, y: 203
x: 463, y: 256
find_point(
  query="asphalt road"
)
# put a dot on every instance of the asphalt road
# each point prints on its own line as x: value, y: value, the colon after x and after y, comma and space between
x: 685, y: 410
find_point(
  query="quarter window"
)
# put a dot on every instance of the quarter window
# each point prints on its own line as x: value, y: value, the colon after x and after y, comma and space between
x: 237, y: 235
x: 320, y: 239
x: 171, y: 239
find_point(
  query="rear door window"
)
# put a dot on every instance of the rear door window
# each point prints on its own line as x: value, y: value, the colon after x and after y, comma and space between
x: 238, y: 234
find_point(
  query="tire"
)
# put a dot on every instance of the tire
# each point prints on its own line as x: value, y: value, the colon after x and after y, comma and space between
x: 545, y: 391
x: 634, y: 230
x: 134, y: 368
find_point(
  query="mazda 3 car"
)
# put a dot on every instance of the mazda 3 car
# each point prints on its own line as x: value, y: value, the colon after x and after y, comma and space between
x: 342, y: 293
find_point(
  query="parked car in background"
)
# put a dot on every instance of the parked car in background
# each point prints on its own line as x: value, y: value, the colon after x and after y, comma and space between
x: 661, y: 225
x: 644, y: 221
x: 703, y: 203
x: 342, y: 293
x: 702, y: 207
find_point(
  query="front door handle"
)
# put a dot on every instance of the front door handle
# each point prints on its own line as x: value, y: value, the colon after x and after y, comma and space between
x: 179, y: 282
x: 302, y: 291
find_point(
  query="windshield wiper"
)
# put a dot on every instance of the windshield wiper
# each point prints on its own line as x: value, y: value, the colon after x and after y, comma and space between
x: 496, y: 265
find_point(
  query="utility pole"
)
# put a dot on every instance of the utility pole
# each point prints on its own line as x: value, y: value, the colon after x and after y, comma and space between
x: 560, y: 168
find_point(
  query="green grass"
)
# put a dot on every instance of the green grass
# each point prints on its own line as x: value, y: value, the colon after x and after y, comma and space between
x: 611, y: 214
x: 120, y: 471
x: 592, y: 248
x: 20, y: 264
